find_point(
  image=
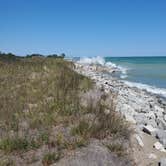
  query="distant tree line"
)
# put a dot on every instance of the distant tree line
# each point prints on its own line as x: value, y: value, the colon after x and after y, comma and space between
x: 12, y: 57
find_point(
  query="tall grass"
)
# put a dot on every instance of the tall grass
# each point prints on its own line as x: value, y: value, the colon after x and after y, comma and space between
x: 39, y: 94
x: 34, y: 92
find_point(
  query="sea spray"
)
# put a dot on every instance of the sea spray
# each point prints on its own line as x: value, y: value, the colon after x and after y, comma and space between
x: 101, y: 61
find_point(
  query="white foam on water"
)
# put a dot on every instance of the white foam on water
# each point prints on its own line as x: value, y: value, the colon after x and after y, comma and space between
x: 101, y: 61
x: 123, y: 76
x: 94, y: 60
x: 148, y: 88
x: 110, y: 64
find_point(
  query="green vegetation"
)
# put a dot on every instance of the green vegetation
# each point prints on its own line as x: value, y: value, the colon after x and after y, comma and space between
x: 81, y: 129
x: 40, y: 105
x: 10, y: 144
x: 7, y: 162
x: 50, y: 158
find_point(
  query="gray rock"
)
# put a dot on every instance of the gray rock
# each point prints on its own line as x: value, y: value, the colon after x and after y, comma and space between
x: 161, y: 135
x: 161, y: 123
x: 125, y: 108
x: 149, y: 130
x: 141, y: 119
x: 139, y: 140
x: 162, y: 162
x: 158, y: 109
x: 152, y: 122
x: 165, y: 118
x: 150, y: 115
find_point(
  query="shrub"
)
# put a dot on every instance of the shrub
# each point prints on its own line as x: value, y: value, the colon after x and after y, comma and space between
x: 82, y: 129
x: 51, y: 158
x: 20, y: 144
x: 9, y: 144
x: 109, y: 122
x: 44, y: 137
x: 7, y: 162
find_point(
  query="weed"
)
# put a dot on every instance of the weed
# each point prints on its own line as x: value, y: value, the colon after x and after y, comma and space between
x: 7, y: 162
x: 82, y: 129
x: 13, y: 144
x: 51, y: 158
x: 44, y: 137
x: 116, y: 148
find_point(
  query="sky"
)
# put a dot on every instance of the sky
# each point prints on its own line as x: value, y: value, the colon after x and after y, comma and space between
x: 83, y: 27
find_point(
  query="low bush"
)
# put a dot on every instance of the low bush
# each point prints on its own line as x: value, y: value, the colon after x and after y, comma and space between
x: 14, y: 144
x: 82, y: 129
x: 51, y: 158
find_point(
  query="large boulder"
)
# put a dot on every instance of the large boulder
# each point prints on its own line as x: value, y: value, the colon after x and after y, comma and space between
x: 141, y: 119
x: 158, y: 109
x: 161, y: 135
x: 126, y: 109
x: 161, y: 123
x: 150, y: 115
x: 149, y: 130
x: 162, y: 162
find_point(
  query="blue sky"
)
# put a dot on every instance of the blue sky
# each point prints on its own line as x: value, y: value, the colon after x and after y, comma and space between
x: 84, y: 27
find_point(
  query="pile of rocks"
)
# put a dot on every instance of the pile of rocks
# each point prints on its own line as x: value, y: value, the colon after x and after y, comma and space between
x: 145, y: 110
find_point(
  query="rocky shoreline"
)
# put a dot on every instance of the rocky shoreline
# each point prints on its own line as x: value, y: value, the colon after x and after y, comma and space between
x: 144, y: 110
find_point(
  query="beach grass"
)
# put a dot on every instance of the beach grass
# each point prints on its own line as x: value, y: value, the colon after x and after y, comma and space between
x: 40, y: 105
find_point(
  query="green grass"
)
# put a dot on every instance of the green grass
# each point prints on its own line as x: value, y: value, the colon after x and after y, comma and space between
x: 50, y: 158
x: 9, y: 144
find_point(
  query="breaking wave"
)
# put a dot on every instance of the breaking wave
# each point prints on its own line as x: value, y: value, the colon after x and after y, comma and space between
x: 101, y: 61
x: 94, y: 60
x: 148, y: 88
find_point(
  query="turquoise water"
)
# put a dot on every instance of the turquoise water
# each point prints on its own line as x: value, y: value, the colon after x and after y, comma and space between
x: 146, y: 70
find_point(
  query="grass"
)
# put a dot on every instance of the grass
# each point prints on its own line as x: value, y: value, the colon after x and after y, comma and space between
x: 50, y: 158
x: 7, y: 162
x: 81, y: 129
x: 36, y: 90
x: 109, y: 122
x: 116, y: 148
x: 38, y: 94
x: 77, y: 142
x: 10, y: 144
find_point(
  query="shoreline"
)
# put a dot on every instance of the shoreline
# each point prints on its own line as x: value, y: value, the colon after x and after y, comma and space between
x: 113, y: 68
x: 145, y: 110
